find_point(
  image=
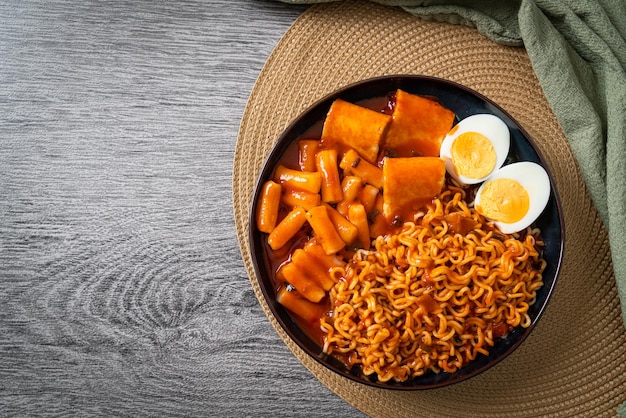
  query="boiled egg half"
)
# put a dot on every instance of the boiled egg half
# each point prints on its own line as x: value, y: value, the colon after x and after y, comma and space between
x: 514, y: 196
x: 475, y: 148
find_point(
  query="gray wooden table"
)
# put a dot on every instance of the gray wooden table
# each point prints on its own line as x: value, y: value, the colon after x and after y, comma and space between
x: 122, y: 290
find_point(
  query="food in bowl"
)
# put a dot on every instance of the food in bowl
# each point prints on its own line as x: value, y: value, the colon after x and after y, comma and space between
x: 378, y: 249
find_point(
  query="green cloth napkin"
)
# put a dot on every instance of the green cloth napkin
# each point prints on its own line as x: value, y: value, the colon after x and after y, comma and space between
x: 578, y: 52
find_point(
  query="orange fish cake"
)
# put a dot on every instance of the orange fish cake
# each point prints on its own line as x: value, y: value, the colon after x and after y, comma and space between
x: 356, y: 127
x: 410, y: 183
x: 418, y: 126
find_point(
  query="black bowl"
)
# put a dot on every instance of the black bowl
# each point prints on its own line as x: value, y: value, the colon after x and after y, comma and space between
x: 463, y: 102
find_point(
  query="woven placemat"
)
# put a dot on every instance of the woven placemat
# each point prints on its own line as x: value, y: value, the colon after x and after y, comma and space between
x: 574, y: 362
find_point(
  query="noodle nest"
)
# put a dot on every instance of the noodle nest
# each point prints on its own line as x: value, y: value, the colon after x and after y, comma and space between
x: 430, y: 298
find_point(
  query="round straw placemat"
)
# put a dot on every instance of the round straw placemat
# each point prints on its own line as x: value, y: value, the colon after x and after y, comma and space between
x: 574, y: 362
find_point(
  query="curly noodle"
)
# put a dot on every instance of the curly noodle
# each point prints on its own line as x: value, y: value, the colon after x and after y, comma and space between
x: 429, y: 298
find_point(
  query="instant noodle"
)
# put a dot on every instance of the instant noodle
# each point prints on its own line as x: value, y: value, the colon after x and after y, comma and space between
x: 434, y: 295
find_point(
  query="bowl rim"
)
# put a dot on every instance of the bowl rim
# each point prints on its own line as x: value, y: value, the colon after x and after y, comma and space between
x: 278, y: 147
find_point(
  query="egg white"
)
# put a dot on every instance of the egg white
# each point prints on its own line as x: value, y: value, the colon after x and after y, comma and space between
x: 536, y: 182
x: 493, y: 128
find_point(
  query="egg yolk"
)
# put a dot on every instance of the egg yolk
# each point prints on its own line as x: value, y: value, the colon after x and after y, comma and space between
x: 504, y: 200
x: 473, y: 155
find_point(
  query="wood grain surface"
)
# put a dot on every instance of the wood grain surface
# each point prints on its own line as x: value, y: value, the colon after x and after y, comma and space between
x: 122, y: 290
